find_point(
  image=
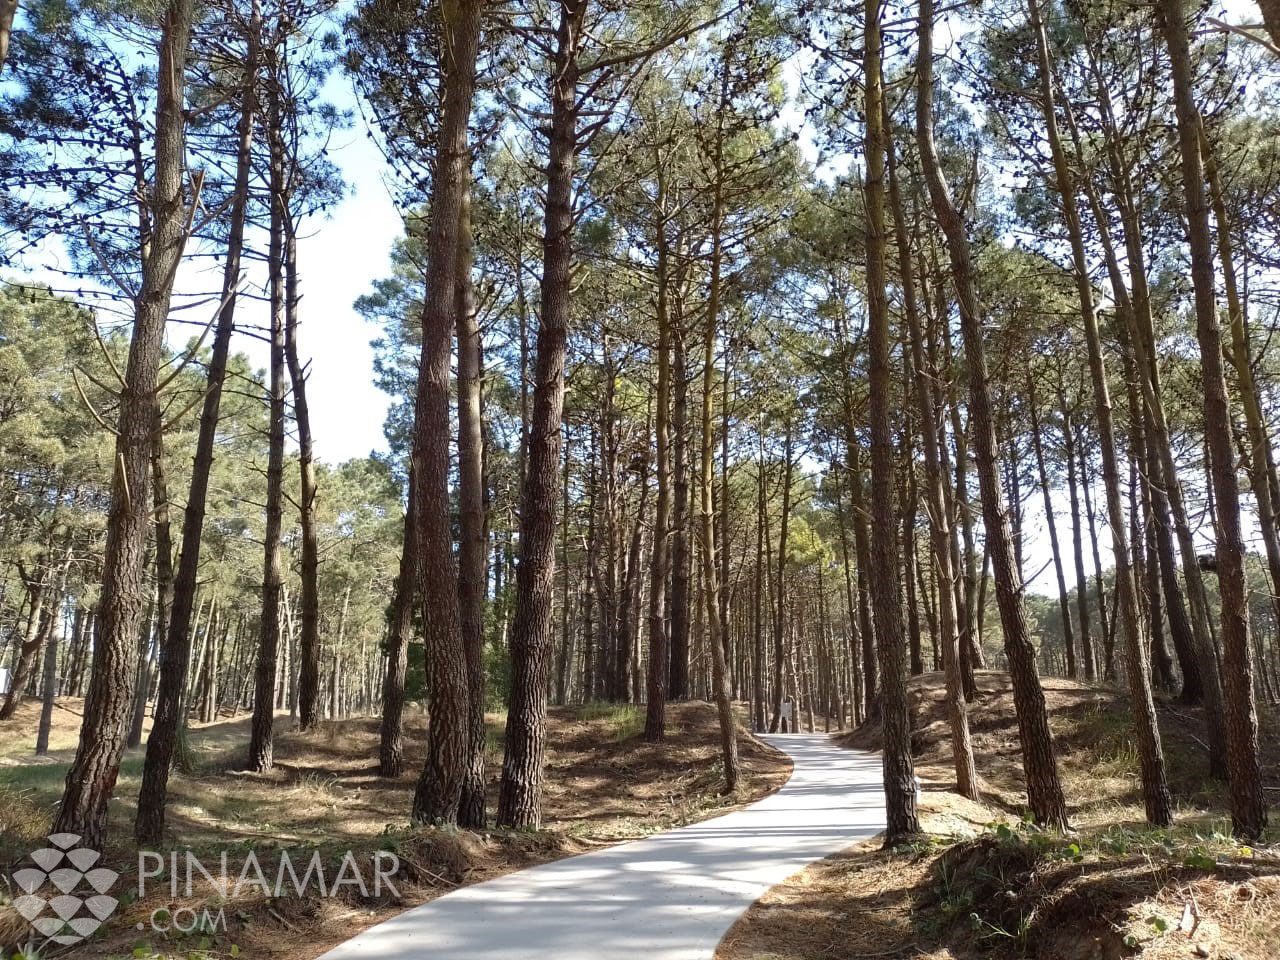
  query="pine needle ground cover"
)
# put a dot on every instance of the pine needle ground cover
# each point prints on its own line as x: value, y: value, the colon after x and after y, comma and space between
x: 604, y: 785
x: 981, y: 883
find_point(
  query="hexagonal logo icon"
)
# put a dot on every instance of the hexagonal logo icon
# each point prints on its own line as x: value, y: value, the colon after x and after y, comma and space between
x: 64, y: 896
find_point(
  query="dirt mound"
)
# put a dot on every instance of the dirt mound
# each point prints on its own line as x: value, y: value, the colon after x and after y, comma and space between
x: 981, y: 883
x: 991, y: 714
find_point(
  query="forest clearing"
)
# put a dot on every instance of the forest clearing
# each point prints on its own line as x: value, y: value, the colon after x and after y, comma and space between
x: 623, y: 467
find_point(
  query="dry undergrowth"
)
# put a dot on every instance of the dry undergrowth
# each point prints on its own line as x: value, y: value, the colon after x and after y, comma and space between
x: 980, y: 883
x: 603, y: 785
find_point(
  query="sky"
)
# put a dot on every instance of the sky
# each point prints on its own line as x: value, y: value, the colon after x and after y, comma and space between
x: 338, y: 259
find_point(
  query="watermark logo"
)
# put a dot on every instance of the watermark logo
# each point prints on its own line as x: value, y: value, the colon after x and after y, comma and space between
x: 65, y: 896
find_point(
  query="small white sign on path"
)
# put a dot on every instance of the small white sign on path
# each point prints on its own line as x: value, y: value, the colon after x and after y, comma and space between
x: 672, y: 896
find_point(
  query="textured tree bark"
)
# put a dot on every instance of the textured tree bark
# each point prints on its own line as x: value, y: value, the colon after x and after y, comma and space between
x: 264, y: 690
x: 471, y: 515
x: 1259, y: 457
x: 865, y: 677
x: 91, y: 778
x: 309, y: 640
x: 723, y: 526
x: 659, y: 646
x: 1248, y: 805
x: 1044, y: 789
x: 971, y: 607
x: 710, y: 585
x: 591, y: 597
x: 49, y: 677
x: 25, y: 654
x: 1161, y: 661
x: 8, y: 10
x: 161, y: 597
x: 48, y: 689
x: 895, y: 714
x: 1155, y: 788
x: 679, y: 654
x: 758, y: 591
x: 907, y: 507
x: 520, y: 791
x: 940, y: 397
x: 175, y: 650
x: 862, y: 549
x: 920, y: 377
x: 439, y: 790
x: 780, y: 582
x: 1077, y: 538
x: 1270, y: 18
x: 624, y: 647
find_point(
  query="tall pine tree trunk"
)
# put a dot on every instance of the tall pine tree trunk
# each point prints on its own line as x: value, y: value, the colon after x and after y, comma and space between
x: 520, y: 792
x: 659, y: 648
x: 895, y: 714
x: 1248, y: 805
x: 471, y: 515
x: 710, y: 576
x: 439, y: 789
x: 91, y: 778
x: 1155, y: 788
x: 1044, y: 789
x: 309, y: 645
x: 399, y: 634
x: 260, y: 757
x: 175, y: 650
x: 940, y: 538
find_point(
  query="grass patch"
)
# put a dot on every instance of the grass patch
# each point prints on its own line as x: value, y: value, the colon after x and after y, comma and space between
x: 622, y: 720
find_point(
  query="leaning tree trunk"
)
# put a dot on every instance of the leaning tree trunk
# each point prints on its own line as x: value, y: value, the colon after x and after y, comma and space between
x: 1044, y: 790
x: 1164, y: 473
x: 1064, y: 598
x: 940, y: 538
x: 175, y: 650
x: 1155, y: 788
x: 91, y: 778
x: 309, y: 641
x: 1248, y: 805
x: 520, y: 793
x: 24, y: 654
x: 1259, y: 457
x: 895, y: 714
x: 439, y: 790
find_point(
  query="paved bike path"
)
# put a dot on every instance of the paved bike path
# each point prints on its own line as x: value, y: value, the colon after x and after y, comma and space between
x: 671, y: 896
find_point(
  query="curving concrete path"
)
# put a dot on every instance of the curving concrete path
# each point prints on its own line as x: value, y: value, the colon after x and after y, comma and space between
x: 671, y: 896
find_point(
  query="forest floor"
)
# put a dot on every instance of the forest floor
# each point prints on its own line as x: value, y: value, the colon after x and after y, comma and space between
x: 604, y: 785
x: 980, y: 882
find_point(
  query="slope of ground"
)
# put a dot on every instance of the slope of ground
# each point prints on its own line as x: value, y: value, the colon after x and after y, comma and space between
x: 982, y: 883
x: 604, y: 785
